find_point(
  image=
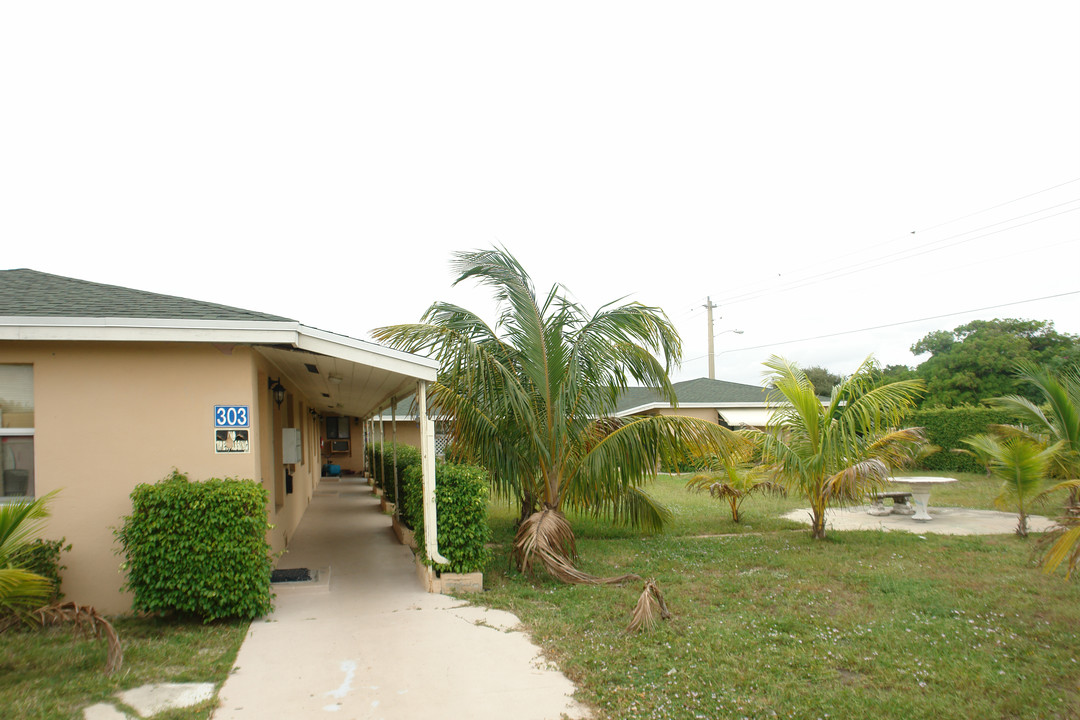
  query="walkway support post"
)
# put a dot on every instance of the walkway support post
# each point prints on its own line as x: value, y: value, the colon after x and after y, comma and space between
x: 393, y: 435
x: 427, y: 467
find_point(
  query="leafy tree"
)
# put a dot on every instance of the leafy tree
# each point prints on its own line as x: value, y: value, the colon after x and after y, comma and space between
x: 975, y: 361
x: 1021, y: 463
x: 840, y: 450
x: 822, y: 380
x: 532, y: 401
x: 21, y: 591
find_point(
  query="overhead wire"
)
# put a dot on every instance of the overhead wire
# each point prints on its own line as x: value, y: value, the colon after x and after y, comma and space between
x: 869, y: 248
x: 899, y: 256
x: 844, y: 272
x: 894, y: 324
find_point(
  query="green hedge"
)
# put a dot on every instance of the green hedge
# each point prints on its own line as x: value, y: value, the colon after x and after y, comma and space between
x: 946, y: 427
x: 198, y: 548
x: 407, y: 456
x: 461, y: 499
x: 42, y: 557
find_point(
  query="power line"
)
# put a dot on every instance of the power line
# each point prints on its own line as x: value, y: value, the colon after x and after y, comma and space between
x: 884, y: 260
x: 948, y: 222
x: 895, y: 324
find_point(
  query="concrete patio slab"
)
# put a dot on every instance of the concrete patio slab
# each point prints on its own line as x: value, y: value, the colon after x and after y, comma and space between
x: 375, y: 645
x: 945, y: 521
x: 150, y: 700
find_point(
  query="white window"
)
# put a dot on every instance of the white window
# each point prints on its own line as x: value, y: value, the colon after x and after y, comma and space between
x: 16, y: 431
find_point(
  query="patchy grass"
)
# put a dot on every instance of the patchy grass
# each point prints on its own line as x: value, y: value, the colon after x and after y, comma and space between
x: 53, y: 673
x: 769, y: 623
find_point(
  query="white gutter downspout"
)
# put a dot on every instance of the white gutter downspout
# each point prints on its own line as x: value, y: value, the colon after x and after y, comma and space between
x: 427, y: 467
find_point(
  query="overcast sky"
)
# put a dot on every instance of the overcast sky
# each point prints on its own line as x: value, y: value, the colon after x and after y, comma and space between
x: 816, y: 169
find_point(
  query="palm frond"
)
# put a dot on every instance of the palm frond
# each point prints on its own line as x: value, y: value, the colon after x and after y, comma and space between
x: 650, y: 609
x: 20, y: 522
x: 22, y: 591
x: 88, y: 621
x: 547, y: 538
x: 1064, y: 547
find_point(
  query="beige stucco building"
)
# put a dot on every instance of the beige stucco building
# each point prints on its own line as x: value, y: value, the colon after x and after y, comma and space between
x: 103, y: 388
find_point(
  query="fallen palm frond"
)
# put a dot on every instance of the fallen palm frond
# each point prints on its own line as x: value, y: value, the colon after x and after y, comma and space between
x: 650, y: 609
x: 88, y: 621
x: 546, y: 537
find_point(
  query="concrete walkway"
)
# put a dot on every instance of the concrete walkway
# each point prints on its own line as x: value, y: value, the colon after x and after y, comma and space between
x: 368, y: 642
x: 945, y: 521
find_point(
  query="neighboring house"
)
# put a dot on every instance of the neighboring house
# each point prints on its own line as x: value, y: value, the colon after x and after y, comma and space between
x: 401, y: 422
x: 733, y: 405
x: 104, y: 387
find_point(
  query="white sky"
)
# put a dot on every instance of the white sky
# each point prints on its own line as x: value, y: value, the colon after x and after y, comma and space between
x: 321, y: 160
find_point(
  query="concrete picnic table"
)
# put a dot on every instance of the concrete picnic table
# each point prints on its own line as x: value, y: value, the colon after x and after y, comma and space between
x: 920, y: 492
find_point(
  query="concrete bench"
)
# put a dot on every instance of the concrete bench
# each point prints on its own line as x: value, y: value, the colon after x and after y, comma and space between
x: 901, y: 503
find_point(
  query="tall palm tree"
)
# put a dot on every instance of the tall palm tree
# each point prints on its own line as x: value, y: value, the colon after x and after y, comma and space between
x: 838, y: 450
x: 1021, y: 463
x: 21, y: 591
x: 532, y: 400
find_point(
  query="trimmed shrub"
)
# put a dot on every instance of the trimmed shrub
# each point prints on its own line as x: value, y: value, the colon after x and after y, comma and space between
x: 198, y: 548
x: 412, y: 497
x: 947, y: 427
x: 461, y: 498
x: 407, y: 456
x: 42, y: 557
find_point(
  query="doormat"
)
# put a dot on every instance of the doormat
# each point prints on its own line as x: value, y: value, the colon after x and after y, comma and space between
x: 291, y: 575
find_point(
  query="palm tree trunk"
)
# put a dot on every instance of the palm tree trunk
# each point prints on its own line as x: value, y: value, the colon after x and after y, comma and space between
x: 817, y: 525
x: 1022, y: 525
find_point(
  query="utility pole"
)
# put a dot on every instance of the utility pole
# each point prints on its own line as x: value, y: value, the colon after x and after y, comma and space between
x: 709, y: 305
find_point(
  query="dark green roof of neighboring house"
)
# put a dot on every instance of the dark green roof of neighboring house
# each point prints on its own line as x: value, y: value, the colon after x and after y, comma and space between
x: 701, y: 391
x: 29, y: 293
x: 698, y: 391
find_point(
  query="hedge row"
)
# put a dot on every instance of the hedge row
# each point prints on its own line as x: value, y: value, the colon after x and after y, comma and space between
x: 198, y: 548
x: 947, y: 427
x: 461, y: 498
x: 382, y: 463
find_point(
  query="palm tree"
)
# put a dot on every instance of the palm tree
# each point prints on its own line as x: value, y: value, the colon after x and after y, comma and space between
x: 838, y: 450
x: 532, y: 400
x: 21, y: 591
x: 735, y: 476
x: 1058, y: 419
x: 1021, y: 463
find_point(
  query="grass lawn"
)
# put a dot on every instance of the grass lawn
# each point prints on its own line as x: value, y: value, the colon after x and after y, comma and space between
x: 53, y: 673
x: 769, y: 623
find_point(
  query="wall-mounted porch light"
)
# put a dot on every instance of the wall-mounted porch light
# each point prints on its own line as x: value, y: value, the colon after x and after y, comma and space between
x: 277, y: 389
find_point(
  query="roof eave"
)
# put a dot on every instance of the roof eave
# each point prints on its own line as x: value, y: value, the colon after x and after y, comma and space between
x: 253, y: 332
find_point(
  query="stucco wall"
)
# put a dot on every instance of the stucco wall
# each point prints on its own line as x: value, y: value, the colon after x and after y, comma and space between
x: 112, y: 415
x: 285, y: 510
x: 708, y: 414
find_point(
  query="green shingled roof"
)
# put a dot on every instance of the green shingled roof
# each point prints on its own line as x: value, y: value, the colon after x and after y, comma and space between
x: 29, y: 293
x: 700, y: 390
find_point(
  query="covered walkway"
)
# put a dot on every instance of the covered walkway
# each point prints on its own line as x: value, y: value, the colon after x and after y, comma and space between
x: 365, y: 641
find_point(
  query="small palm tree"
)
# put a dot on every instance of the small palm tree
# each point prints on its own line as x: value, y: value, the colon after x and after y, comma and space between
x: 1021, y: 463
x: 837, y: 451
x: 735, y: 476
x: 532, y: 400
x: 21, y: 591
x: 1058, y: 419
